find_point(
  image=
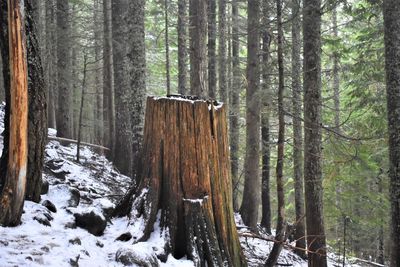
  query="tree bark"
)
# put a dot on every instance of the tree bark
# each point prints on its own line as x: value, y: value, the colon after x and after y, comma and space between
x: 391, y: 15
x: 185, y: 174
x: 108, y: 84
x: 50, y: 60
x: 316, y: 240
x: 182, y: 46
x: 13, y: 191
x: 37, y: 118
x: 234, y: 105
x: 222, y: 63
x: 123, y: 142
x: 198, y: 47
x: 4, y: 43
x: 212, y: 48
x: 265, y: 124
x: 300, y: 232
x: 280, y: 235
x: 64, y: 114
x: 167, y: 72
x: 251, y: 195
x: 98, y: 109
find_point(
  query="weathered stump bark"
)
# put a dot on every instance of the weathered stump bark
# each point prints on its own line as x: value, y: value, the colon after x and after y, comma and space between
x: 185, y: 174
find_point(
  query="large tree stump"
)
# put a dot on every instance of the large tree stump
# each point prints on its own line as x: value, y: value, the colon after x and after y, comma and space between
x: 185, y: 174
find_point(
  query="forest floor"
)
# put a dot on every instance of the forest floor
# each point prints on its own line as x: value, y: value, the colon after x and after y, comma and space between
x: 49, y: 236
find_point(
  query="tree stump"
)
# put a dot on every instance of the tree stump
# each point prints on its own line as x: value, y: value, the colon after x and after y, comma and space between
x: 185, y: 175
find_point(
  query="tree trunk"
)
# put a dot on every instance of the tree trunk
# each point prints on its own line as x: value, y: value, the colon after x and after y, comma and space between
x: 13, y: 191
x: 280, y: 235
x: 167, y: 72
x: 316, y: 240
x: 234, y: 105
x: 391, y: 14
x: 198, y: 47
x: 64, y: 114
x: 123, y: 144
x: 108, y: 85
x: 83, y: 92
x: 300, y: 232
x: 37, y: 119
x: 137, y: 76
x: 2, y: 97
x: 212, y: 47
x: 251, y: 195
x: 223, y: 90
x: 182, y: 46
x: 4, y: 43
x: 265, y: 125
x: 98, y: 109
x: 50, y: 60
x: 185, y: 174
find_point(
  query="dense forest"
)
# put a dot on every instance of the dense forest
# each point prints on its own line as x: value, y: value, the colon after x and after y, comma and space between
x: 282, y: 113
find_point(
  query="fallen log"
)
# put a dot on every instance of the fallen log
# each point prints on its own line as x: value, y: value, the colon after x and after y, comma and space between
x: 66, y: 140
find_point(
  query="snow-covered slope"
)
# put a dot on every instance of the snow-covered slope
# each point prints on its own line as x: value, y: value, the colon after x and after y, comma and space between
x: 49, y: 235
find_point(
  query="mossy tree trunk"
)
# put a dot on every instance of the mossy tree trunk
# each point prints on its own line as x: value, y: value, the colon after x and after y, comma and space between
x: 185, y: 174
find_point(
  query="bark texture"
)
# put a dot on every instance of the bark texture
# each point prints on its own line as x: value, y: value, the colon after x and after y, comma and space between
x: 182, y: 46
x: 391, y: 14
x: 251, y: 195
x: 198, y: 47
x: 185, y: 174
x: 212, y: 48
x: 108, y: 84
x: 13, y: 191
x: 300, y: 232
x: 222, y: 62
x: 265, y: 118
x: 64, y: 112
x: 316, y: 240
x: 234, y: 110
x: 280, y: 235
x: 50, y: 60
x: 37, y: 118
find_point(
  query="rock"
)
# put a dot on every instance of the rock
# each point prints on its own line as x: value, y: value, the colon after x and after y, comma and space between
x: 4, y: 243
x: 128, y: 257
x: 99, y: 244
x: 124, y: 237
x: 75, y: 241
x: 49, y: 205
x: 64, y: 196
x: 45, y: 187
x: 42, y: 220
x: 70, y: 225
x: 74, y: 262
x: 75, y: 197
x: 91, y: 221
x: 45, y: 249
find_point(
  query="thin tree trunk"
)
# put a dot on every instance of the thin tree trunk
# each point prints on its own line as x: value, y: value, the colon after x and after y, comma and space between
x: 391, y: 14
x: 234, y: 105
x: 50, y: 60
x: 280, y: 235
x: 300, y: 232
x: 212, y: 47
x: 316, y: 240
x: 78, y: 146
x: 167, y: 72
x: 265, y: 124
x: 98, y: 109
x: 251, y: 194
x: 198, y: 47
x: 64, y: 114
x: 37, y: 119
x: 13, y: 191
x: 108, y: 85
x: 2, y: 97
x: 182, y: 46
x: 223, y: 90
